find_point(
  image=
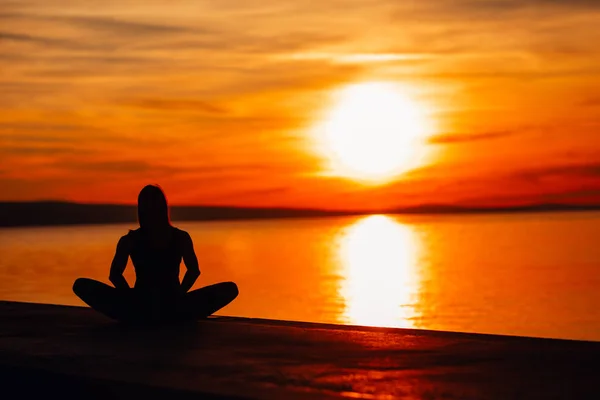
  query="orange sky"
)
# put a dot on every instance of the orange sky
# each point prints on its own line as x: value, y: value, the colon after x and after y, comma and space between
x: 216, y: 101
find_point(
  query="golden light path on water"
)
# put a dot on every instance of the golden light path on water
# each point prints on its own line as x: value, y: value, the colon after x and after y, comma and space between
x: 380, y: 281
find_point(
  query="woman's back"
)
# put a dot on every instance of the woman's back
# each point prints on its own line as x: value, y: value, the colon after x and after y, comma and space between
x: 156, y: 260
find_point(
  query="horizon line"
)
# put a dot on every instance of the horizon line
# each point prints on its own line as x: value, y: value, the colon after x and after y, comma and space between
x: 466, y: 207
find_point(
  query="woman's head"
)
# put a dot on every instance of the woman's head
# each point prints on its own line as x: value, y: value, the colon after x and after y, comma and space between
x: 153, y: 210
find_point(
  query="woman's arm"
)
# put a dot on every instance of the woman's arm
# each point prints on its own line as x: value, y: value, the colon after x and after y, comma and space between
x: 119, y: 263
x: 191, y: 262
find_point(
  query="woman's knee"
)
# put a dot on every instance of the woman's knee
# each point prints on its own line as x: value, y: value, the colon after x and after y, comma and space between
x: 83, y: 285
x: 232, y: 288
x: 78, y: 286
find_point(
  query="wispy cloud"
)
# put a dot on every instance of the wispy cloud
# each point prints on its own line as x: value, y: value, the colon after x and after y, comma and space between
x: 571, y: 171
x: 38, y: 40
x: 451, y: 138
x: 356, y: 58
x: 23, y: 150
x: 121, y: 166
x: 590, y: 102
x: 176, y: 104
x: 105, y: 24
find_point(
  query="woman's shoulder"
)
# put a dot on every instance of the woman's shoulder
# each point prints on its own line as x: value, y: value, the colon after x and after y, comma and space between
x: 133, y: 233
x: 125, y: 242
x: 181, y: 236
x: 180, y: 233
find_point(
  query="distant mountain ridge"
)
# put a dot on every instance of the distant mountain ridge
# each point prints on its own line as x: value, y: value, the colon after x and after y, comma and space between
x: 43, y: 213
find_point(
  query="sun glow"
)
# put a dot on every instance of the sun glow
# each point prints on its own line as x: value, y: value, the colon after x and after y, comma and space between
x: 374, y: 132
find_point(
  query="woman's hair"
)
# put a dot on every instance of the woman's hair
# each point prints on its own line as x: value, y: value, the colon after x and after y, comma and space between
x: 153, y: 210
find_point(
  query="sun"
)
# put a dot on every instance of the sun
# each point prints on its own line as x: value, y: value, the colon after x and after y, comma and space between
x: 374, y: 132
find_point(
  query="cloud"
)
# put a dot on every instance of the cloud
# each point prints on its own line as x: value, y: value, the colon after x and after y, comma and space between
x: 25, y: 138
x: 262, y: 195
x: 9, y: 150
x: 117, y: 26
x: 585, y: 195
x: 452, y: 138
x: 590, y: 102
x: 176, y: 105
x: 234, y: 41
x: 110, y: 166
x: 574, y: 171
x: 38, y: 126
x: 493, y: 9
x: 39, y: 40
x: 80, y: 136
x: 511, y: 4
x: 103, y: 24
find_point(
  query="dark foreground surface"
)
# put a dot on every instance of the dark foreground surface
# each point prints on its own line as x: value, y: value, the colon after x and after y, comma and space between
x: 70, y: 352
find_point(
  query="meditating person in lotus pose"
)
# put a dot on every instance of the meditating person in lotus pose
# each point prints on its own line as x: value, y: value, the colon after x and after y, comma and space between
x: 156, y: 250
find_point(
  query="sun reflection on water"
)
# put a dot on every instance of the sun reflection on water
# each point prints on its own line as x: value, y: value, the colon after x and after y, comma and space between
x: 380, y: 279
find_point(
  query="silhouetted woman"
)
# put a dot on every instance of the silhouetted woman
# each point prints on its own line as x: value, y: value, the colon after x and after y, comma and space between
x: 156, y: 250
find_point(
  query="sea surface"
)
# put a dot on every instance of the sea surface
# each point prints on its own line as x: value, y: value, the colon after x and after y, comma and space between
x: 517, y: 274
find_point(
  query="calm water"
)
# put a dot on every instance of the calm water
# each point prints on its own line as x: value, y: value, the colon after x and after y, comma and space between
x: 523, y: 274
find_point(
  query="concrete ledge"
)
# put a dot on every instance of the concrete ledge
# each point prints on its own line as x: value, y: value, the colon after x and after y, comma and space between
x: 73, y: 352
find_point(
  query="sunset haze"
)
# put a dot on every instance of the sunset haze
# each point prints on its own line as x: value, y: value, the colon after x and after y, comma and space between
x: 221, y: 103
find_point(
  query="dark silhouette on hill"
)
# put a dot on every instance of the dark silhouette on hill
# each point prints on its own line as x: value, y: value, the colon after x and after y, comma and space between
x: 65, y: 213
